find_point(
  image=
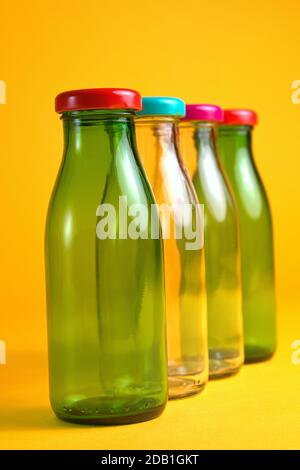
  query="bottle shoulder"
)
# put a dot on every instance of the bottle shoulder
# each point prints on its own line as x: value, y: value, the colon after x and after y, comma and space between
x: 81, y: 186
x: 213, y: 189
x: 172, y: 182
x: 249, y: 190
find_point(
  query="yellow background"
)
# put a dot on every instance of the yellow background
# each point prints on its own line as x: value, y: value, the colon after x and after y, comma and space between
x: 234, y: 53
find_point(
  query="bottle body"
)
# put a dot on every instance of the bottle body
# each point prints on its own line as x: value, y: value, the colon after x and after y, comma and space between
x: 105, y: 297
x: 221, y: 246
x: 184, y: 260
x: 256, y: 237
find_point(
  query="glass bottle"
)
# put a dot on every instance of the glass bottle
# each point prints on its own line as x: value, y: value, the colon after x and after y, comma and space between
x: 221, y: 240
x: 255, y: 233
x: 105, y: 290
x: 157, y: 126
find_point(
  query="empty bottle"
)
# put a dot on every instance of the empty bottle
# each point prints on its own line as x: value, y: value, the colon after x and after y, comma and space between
x: 157, y: 134
x: 105, y: 288
x: 221, y: 239
x: 255, y: 233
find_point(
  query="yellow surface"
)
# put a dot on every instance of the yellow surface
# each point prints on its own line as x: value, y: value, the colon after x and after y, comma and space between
x: 233, y: 52
x: 256, y: 409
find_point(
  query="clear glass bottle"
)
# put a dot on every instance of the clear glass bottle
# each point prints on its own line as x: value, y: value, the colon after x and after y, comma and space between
x: 255, y: 233
x: 184, y: 261
x: 221, y: 240
x: 105, y: 290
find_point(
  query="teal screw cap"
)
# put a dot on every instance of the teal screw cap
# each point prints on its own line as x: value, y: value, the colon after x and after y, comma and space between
x: 162, y: 106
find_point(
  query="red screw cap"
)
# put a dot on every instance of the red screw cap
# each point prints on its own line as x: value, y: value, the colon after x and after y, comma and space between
x: 98, y: 98
x: 242, y: 117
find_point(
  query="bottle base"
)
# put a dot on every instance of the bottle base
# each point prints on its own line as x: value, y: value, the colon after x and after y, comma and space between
x: 85, y: 412
x: 257, y: 354
x: 223, y: 363
x: 181, y: 387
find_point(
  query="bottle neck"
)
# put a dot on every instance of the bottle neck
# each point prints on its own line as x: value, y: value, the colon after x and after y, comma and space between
x: 86, y: 132
x: 157, y: 144
x: 163, y: 131
x: 203, y: 137
x: 235, y: 141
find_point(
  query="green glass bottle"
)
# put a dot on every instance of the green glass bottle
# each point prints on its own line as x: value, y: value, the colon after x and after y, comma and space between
x: 255, y: 234
x: 105, y: 289
x: 221, y: 240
